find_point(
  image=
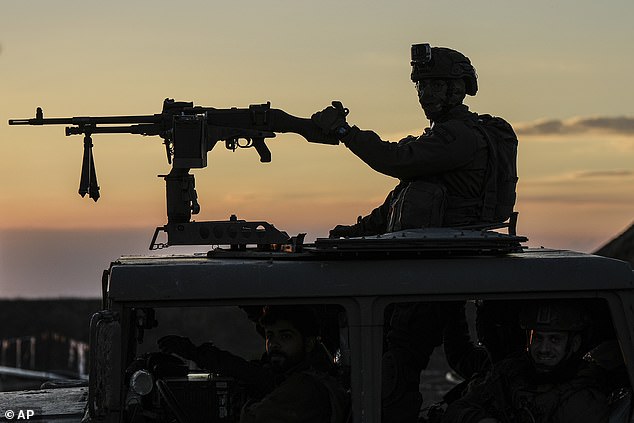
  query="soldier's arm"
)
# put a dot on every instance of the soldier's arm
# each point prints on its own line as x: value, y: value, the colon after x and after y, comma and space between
x: 298, y: 399
x: 443, y: 150
x: 258, y: 378
x: 478, y: 405
x: 376, y: 222
x: 584, y: 406
x: 463, y: 356
x: 462, y: 411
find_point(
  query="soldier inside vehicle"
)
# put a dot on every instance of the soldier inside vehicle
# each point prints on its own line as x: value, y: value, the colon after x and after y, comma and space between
x: 508, y: 361
x: 532, y: 361
x: 302, y: 375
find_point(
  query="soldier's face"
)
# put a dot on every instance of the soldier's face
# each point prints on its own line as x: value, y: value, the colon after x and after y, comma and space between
x: 549, y: 349
x: 284, y: 344
x: 432, y: 95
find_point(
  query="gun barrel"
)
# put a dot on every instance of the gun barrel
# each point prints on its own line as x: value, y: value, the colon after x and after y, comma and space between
x: 88, y: 120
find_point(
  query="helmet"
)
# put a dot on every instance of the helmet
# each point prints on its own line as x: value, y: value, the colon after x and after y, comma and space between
x: 304, y: 318
x: 445, y: 63
x: 555, y: 316
x: 498, y: 329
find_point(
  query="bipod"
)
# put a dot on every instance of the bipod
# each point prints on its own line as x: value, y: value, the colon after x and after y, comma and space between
x: 88, y: 182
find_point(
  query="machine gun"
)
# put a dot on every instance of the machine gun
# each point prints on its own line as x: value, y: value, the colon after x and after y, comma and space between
x: 189, y: 132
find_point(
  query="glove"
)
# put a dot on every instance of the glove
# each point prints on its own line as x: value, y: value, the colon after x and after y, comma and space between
x: 331, y: 118
x: 345, y: 231
x: 179, y: 345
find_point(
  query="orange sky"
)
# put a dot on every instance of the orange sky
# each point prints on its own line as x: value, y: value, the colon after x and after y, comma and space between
x: 558, y: 71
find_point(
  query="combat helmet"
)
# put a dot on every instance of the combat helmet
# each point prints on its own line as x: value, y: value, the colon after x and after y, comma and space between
x: 554, y: 316
x: 444, y: 63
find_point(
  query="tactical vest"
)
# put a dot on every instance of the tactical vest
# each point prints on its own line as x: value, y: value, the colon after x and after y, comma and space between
x: 518, y: 399
x: 426, y: 203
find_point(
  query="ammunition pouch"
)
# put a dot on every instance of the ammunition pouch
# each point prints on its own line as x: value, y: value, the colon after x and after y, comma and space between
x: 419, y: 204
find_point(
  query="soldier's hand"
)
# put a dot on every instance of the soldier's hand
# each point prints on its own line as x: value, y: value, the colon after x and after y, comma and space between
x: 330, y: 118
x: 180, y: 345
x: 340, y: 231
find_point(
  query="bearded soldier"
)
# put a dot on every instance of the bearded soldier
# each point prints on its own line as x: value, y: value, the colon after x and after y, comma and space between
x: 461, y: 171
x: 284, y: 387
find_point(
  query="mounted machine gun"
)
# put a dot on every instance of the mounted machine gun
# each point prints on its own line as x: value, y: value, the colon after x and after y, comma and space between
x: 189, y: 132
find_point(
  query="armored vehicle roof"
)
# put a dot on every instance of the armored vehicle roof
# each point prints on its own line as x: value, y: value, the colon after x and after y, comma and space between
x: 305, y: 275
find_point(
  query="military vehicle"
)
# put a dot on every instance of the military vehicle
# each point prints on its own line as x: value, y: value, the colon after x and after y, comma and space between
x: 352, y: 282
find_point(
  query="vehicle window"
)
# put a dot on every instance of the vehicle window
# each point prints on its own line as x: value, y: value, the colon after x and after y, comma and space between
x: 220, y: 362
x: 438, y: 356
x: 228, y: 327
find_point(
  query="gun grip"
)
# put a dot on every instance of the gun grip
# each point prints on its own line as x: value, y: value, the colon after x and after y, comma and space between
x: 343, y: 111
x: 262, y: 149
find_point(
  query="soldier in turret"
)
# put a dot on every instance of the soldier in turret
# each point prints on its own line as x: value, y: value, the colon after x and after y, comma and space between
x: 460, y: 172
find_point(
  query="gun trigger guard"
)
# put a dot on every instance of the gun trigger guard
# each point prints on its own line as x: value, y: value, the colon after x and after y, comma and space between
x: 231, y: 144
x: 249, y: 143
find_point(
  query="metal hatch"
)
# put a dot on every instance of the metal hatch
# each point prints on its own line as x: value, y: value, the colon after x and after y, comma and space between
x: 424, y: 241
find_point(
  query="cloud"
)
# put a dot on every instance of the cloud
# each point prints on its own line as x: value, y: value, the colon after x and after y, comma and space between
x: 583, y: 177
x: 605, y: 174
x: 620, y: 125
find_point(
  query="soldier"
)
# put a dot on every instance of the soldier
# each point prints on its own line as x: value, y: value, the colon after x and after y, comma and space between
x: 550, y: 382
x: 460, y: 171
x: 285, y: 387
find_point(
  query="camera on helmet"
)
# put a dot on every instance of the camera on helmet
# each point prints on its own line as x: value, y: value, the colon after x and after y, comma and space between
x: 421, y: 54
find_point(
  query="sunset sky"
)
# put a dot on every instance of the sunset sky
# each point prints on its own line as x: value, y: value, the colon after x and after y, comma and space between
x: 559, y: 71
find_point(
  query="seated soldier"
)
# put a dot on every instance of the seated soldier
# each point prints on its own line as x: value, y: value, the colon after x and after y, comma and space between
x: 549, y: 383
x: 284, y: 386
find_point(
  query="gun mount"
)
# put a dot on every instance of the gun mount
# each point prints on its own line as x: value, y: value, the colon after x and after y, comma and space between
x: 189, y: 132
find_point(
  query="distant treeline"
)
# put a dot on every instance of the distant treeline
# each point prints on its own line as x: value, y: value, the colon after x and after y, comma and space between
x: 70, y: 317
